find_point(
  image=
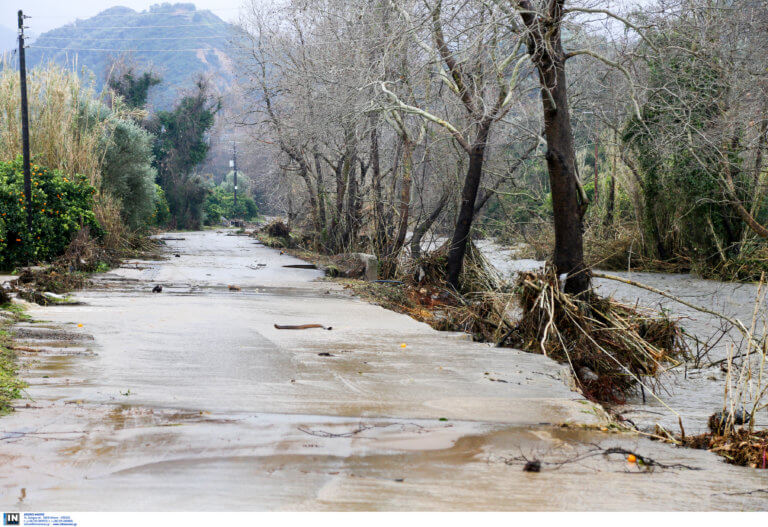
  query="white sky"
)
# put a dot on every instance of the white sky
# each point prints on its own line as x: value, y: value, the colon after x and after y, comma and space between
x: 50, y: 14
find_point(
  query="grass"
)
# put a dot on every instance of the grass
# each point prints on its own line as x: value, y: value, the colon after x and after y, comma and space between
x: 10, y: 384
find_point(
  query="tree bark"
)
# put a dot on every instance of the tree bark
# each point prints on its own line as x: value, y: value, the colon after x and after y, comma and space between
x: 467, y: 208
x: 422, y: 228
x: 743, y: 212
x: 546, y: 49
x: 320, y: 196
x: 405, y: 198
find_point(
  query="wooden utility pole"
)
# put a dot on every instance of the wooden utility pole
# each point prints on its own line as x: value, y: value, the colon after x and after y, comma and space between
x: 596, y: 188
x: 234, y: 167
x: 25, y: 123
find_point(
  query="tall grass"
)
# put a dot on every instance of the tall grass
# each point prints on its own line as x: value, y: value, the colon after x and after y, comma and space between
x: 59, y: 137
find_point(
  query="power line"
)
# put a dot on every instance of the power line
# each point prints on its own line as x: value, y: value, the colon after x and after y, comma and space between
x: 138, y: 39
x: 123, y: 50
x: 127, y: 15
x: 74, y: 25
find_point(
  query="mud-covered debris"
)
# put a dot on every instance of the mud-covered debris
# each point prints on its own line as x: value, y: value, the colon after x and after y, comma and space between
x: 721, y: 422
x: 532, y: 466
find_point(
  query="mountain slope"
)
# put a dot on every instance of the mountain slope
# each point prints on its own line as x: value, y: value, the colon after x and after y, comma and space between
x: 8, y: 39
x: 175, y: 40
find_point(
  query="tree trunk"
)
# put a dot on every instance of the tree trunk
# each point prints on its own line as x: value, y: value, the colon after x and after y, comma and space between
x: 422, y: 228
x: 304, y: 173
x: 320, y: 196
x: 379, y: 233
x: 405, y: 197
x: 610, y: 203
x: 467, y: 208
x: 569, y: 245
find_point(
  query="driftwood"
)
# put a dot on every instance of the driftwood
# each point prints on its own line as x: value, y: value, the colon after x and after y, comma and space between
x: 302, y: 326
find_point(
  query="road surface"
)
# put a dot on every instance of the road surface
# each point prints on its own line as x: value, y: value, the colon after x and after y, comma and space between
x: 191, y: 400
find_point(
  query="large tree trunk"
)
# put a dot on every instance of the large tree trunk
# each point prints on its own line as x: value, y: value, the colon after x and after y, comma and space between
x: 567, y: 211
x: 467, y: 207
x: 379, y: 227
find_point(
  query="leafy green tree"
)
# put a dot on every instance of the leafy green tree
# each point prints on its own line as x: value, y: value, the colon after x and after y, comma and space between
x: 61, y: 205
x: 685, y: 212
x: 134, y: 87
x: 180, y: 146
x: 162, y: 213
x: 220, y: 202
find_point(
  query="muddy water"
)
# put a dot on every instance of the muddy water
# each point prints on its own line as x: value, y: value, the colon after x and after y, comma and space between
x: 191, y: 400
x: 694, y: 393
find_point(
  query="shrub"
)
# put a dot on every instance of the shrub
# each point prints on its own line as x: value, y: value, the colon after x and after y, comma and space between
x: 162, y: 214
x: 127, y: 172
x: 220, y: 202
x: 61, y: 206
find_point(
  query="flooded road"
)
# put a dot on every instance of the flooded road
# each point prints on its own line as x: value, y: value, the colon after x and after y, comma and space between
x: 191, y: 400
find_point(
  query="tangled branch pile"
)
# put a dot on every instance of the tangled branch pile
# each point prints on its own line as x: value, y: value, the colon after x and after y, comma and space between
x: 477, y: 274
x: 739, y: 447
x: 608, y: 345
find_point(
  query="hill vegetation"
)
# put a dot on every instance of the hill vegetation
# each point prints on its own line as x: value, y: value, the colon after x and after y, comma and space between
x: 176, y: 41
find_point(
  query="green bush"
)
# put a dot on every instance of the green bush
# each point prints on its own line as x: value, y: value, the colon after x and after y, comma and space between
x: 61, y: 204
x: 127, y: 172
x: 221, y: 202
x: 162, y: 215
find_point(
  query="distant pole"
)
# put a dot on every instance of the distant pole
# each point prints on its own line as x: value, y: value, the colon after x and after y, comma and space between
x: 234, y: 167
x: 596, y: 143
x: 25, y: 123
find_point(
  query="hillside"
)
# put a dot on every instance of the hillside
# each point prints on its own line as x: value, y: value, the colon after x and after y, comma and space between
x: 7, y: 38
x: 175, y: 40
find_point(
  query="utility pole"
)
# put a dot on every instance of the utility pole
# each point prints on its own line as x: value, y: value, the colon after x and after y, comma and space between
x: 596, y: 189
x: 25, y: 123
x: 234, y: 167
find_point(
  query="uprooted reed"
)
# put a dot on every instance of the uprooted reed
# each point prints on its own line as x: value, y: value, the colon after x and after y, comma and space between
x: 612, y: 348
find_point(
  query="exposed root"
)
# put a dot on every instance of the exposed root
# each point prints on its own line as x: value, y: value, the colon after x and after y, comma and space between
x: 277, y: 229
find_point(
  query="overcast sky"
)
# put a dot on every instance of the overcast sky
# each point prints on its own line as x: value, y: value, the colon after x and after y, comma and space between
x: 49, y: 14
